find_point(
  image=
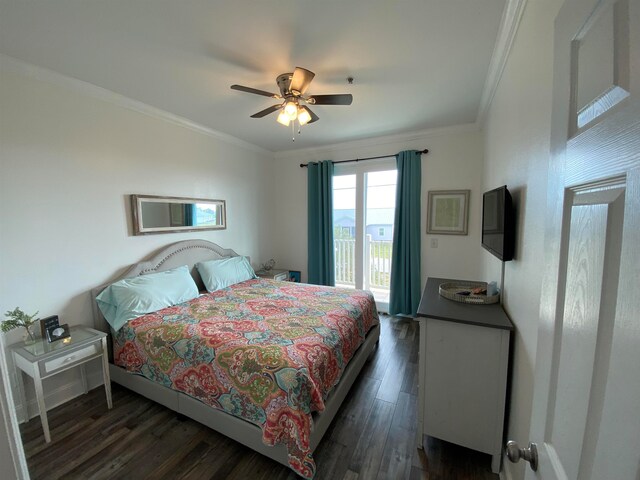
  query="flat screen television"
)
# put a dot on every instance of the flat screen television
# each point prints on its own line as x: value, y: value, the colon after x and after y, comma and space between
x: 498, y: 223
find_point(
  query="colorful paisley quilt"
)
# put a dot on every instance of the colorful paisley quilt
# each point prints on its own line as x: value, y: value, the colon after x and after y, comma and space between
x: 266, y: 351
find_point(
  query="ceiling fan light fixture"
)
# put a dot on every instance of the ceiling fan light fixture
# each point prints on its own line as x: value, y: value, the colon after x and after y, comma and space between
x: 303, y: 116
x: 291, y: 109
x: 293, y: 106
x: 283, y: 118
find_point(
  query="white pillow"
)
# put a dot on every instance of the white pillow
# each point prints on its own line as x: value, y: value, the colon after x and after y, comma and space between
x: 133, y: 297
x: 217, y: 274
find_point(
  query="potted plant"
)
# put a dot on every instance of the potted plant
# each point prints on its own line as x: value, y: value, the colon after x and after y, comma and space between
x: 17, y: 318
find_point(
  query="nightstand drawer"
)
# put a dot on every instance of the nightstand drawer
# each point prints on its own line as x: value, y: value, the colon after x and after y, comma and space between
x: 70, y: 358
x: 281, y: 275
x: 284, y: 276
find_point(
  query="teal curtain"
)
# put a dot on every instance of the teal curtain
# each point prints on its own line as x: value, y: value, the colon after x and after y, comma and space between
x: 320, y: 223
x: 405, y: 258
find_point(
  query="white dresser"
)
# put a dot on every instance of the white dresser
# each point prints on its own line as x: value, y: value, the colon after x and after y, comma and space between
x: 463, y: 370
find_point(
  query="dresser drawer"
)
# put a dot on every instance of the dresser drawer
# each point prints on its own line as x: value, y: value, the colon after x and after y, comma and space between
x: 71, y: 358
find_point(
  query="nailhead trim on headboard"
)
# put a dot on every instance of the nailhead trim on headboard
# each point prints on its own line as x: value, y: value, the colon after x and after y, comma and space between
x: 222, y: 252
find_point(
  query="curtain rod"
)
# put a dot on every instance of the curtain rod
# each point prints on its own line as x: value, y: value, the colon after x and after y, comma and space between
x: 302, y: 165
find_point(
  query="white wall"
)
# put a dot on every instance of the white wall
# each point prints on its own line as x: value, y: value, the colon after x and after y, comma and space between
x: 454, y: 161
x: 68, y: 162
x: 516, y: 135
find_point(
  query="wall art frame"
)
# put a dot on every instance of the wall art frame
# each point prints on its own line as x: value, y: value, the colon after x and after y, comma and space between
x: 448, y: 212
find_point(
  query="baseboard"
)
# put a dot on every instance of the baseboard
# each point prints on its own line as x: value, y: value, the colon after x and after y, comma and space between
x: 59, y: 396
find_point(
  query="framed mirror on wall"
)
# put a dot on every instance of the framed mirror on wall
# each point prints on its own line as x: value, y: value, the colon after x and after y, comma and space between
x: 156, y: 214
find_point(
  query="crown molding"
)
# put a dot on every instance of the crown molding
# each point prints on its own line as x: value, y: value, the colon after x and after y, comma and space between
x: 46, y: 75
x: 316, y: 152
x: 511, y: 17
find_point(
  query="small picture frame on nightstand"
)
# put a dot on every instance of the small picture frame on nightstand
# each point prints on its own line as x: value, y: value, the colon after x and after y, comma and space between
x: 47, y: 323
x: 58, y: 332
x: 294, y: 276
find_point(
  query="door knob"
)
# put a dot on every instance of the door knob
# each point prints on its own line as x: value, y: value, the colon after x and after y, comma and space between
x: 530, y: 453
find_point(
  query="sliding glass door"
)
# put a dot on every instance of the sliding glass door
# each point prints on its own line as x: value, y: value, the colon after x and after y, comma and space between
x: 363, y: 213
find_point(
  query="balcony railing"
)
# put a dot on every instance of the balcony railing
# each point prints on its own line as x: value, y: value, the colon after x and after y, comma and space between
x: 377, y: 265
x: 345, y: 258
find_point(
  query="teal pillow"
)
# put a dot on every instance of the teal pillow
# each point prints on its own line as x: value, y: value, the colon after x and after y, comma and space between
x: 217, y: 274
x: 133, y: 297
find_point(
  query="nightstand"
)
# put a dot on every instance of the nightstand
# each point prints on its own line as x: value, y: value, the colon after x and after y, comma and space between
x: 282, y: 275
x: 42, y: 360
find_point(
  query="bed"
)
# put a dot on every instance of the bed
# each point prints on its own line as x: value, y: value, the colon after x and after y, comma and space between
x: 282, y: 412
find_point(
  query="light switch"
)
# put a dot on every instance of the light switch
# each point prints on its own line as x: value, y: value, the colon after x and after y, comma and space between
x: 434, y: 243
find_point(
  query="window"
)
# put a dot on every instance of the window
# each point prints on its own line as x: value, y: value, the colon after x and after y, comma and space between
x: 381, y: 232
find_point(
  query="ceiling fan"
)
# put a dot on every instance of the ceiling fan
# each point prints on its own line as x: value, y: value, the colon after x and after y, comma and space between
x: 292, y: 93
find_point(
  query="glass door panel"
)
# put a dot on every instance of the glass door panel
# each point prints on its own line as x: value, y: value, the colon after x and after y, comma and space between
x: 363, y: 215
x: 344, y: 229
x: 380, y: 202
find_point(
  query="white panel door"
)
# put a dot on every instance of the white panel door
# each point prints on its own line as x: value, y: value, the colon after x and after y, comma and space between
x: 586, y: 410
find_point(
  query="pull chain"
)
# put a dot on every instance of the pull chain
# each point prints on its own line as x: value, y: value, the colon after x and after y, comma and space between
x: 293, y: 130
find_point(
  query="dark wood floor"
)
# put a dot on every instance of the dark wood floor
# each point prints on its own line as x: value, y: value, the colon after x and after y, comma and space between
x: 372, y: 437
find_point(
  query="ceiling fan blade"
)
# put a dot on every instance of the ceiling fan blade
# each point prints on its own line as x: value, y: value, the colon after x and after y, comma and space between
x: 338, y: 99
x: 301, y: 80
x: 266, y: 111
x: 314, y: 117
x: 254, y: 91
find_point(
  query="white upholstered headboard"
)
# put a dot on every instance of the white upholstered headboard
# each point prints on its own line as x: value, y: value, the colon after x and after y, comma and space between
x: 187, y: 252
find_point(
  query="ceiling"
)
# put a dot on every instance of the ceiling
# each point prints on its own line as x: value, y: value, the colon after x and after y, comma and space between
x: 417, y: 64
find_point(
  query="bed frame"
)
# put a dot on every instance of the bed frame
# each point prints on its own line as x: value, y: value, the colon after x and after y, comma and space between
x: 189, y: 253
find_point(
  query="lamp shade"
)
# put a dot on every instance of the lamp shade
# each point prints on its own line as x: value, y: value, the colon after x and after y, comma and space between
x: 303, y: 116
x: 283, y: 118
x: 291, y: 109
